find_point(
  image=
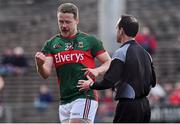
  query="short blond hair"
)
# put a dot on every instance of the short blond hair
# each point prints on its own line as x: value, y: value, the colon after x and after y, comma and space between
x: 69, y: 8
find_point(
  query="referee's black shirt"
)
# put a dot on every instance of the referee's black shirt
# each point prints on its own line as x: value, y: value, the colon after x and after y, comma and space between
x: 130, y: 74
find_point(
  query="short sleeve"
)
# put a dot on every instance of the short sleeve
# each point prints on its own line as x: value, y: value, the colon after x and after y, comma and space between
x: 97, y: 47
x: 46, y: 48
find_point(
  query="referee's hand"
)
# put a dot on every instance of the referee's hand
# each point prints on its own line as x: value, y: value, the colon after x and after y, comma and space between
x: 85, y: 84
x: 93, y: 73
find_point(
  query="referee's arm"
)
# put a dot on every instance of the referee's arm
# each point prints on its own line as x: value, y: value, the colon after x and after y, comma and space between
x: 111, y: 76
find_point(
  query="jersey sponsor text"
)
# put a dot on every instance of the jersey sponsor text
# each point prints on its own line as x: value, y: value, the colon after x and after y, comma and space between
x: 74, y: 57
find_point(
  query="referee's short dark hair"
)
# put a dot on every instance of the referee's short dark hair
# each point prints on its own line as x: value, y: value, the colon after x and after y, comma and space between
x: 129, y: 24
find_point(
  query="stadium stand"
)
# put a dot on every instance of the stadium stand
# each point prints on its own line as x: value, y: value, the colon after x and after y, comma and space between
x: 28, y: 23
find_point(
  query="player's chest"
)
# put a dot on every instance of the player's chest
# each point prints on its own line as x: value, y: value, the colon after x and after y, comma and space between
x: 71, y: 51
x: 69, y: 45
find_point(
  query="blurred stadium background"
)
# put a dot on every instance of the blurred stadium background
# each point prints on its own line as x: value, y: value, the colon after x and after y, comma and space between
x: 28, y: 23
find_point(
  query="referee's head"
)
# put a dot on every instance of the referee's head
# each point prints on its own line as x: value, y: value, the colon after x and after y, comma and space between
x: 129, y: 24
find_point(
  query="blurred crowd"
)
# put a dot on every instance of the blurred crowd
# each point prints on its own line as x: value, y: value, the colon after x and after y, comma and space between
x: 43, y: 98
x: 12, y: 62
x: 147, y: 40
x: 165, y: 94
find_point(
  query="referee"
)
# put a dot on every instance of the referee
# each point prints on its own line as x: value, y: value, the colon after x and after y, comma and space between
x: 131, y: 75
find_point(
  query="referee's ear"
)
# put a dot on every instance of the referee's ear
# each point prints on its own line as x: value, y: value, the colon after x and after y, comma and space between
x: 121, y: 31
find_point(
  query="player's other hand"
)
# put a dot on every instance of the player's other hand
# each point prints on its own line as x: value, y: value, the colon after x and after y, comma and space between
x: 93, y: 73
x: 85, y: 84
x: 40, y: 58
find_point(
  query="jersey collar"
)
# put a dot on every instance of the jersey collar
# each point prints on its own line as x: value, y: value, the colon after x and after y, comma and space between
x: 70, y: 37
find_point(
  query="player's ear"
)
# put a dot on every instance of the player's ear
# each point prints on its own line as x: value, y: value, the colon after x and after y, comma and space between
x: 77, y: 21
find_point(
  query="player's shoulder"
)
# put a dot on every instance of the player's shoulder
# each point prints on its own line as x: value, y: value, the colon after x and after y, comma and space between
x: 86, y: 35
x: 81, y: 33
x: 53, y: 38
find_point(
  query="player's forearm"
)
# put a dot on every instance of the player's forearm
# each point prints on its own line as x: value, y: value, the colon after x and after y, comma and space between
x: 43, y: 71
x: 104, y: 67
x: 1, y: 82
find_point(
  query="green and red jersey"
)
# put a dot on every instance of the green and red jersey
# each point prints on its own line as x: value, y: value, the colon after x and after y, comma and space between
x: 70, y: 56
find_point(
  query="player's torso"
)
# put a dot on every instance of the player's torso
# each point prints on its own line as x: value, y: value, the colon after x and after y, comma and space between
x: 70, y: 55
x: 72, y: 50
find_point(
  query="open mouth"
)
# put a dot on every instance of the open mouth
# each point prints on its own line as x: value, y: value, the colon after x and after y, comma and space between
x: 65, y: 31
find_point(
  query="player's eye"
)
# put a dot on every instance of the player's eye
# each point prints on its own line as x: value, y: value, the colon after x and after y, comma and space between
x: 60, y: 21
x: 67, y: 22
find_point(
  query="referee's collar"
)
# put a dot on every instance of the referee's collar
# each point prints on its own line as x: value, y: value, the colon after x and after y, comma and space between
x: 128, y: 42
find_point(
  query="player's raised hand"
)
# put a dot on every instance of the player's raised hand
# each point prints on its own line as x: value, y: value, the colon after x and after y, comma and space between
x: 85, y: 84
x: 40, y: 58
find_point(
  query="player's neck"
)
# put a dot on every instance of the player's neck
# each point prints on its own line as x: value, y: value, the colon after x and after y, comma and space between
x: 74, y: 33
x: 71, y: 36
